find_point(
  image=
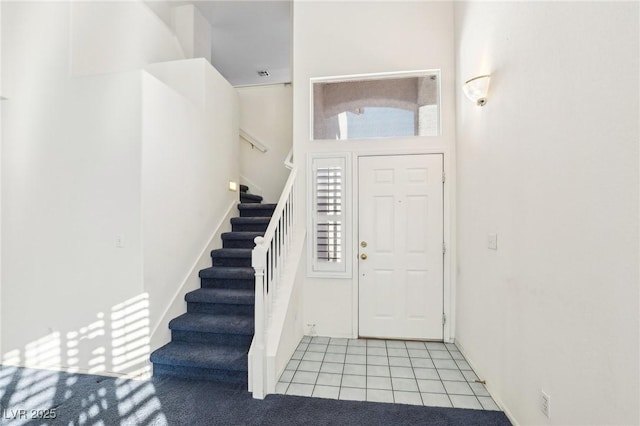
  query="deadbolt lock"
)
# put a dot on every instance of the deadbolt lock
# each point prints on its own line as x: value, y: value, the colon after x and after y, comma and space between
x: 363, y: 256
x: 363, y: 243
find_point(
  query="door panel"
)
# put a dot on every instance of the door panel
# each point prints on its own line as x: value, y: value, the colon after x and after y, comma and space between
x: 401, y: 223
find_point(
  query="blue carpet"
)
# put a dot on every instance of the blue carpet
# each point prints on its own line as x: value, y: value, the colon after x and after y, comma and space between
x: 87, y: 399
x: 212, y: 339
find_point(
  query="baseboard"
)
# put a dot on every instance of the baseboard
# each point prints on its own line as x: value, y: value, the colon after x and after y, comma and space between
x: 478, y: 372
x: 178, y: 297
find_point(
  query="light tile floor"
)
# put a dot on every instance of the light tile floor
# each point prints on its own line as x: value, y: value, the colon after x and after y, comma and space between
x: 403, y: 372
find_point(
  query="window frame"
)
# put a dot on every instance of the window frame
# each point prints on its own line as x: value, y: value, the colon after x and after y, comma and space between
x: 374, y: 76
x: 315, y: 267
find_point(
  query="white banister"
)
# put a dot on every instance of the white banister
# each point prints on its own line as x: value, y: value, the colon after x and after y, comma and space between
x: 288, y: 162
x: 269, y: 259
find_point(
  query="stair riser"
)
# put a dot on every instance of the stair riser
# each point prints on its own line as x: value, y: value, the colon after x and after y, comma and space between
x: 239, y: 262
x: 225, y: 376
x: 256, y: 213
x: 238, y: 244
x: 220, y: 309
x: 248, y: 200
x: 241, y: 340
x: 247, y: 227
x: 227, y: 283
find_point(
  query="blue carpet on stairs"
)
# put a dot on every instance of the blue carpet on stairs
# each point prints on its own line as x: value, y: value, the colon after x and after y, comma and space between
x: 86, y: 399
x: 211, y: 340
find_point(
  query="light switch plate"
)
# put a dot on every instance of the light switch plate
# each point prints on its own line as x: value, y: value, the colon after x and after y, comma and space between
x: 492, y: 241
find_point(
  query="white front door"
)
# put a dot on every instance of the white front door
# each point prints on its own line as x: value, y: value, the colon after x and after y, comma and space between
x: 400, y: 245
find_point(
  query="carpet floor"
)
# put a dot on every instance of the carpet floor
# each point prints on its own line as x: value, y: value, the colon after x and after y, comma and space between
x: 28, y: 396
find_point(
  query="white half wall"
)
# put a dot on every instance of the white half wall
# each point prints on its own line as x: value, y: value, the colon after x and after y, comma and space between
x: 550, y: 165
x: 266, y: 113
x: 366, y: 37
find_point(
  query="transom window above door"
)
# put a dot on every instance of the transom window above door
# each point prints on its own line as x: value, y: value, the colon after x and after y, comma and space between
x: 364, y: 107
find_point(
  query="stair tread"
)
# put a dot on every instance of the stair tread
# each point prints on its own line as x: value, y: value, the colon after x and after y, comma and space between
x: 231, y: 253
x: 221, y: 295
x: 201, y: 355
x: 244, y: 235
x: 209, y: 323
x: 243, y: 188
x: 232, y: 272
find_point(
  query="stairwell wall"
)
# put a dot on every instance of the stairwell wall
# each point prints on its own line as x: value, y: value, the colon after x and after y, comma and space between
x: 189, y: 155
x: 73, y: 295
x: 266, y: 112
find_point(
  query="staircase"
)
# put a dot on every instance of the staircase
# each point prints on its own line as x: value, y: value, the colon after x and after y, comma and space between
x: 212, y: 339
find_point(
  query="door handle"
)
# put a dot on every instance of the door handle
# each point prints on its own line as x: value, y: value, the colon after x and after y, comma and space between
x: 363, y: 256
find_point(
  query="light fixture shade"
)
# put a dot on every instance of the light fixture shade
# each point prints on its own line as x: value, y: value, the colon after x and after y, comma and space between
x: 476, y: 89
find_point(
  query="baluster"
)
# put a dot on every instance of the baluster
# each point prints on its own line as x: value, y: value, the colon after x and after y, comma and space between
x: 279, y: 251
x: 289, y: 215
x: 270, y: 288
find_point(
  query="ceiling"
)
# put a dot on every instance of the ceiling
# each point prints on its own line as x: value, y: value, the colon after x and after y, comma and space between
x: 248, y: 36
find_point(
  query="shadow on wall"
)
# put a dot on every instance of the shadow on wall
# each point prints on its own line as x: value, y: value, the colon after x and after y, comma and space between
x: 35, y: 394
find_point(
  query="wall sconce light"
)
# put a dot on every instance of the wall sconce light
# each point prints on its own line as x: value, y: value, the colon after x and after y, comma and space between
x: 233, y: 186
x: 476, y: 89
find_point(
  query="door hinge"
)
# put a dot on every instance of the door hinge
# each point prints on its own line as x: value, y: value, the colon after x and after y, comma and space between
x: 444, y: 177
x: 444, y: 248
x: 444, y: 319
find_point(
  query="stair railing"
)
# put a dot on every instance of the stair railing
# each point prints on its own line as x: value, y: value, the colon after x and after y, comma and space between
x: 254, y: 142
x: 269, y: 257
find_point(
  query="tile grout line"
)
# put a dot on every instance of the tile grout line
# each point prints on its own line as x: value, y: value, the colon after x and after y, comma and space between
x: 465, y: 381
x: 388, y: 366
x: 393, y: 396
x: 366, y: 370
x: 413, y: 371
x: 344, y: 364
x: 298, y: 366
x: 416, y: 377
x: 320, y: 368
x: 442, y: 381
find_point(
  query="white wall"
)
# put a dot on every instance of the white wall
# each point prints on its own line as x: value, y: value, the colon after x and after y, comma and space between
x: 118, y: 36
x: 1, y: 178
x: 550, y: 164
x: 98, y: 173
x: 193, y: 31
x: 70, y: 184
x: 189, y: 155
x: 266, y: 113
x: 366, y: 37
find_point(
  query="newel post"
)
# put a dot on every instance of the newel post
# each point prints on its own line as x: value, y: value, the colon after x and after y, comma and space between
x: 258, y: 261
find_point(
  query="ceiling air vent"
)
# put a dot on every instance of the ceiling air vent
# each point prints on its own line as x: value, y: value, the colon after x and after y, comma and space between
x: 263, y: 73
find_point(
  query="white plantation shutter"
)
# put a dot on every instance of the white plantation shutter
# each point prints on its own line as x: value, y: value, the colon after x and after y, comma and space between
x: 328, y: 225
x: 328, y: 203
